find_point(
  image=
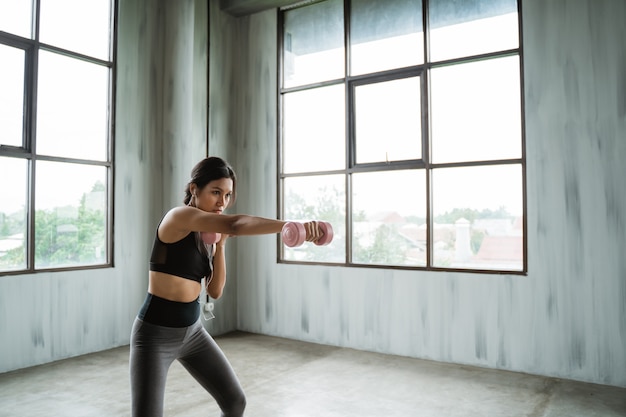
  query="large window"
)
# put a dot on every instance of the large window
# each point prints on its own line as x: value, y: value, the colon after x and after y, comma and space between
x: 55, y: 134
x: 401, y: 124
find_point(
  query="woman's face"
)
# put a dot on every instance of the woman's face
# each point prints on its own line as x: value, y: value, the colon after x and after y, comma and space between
x: 215, y: 196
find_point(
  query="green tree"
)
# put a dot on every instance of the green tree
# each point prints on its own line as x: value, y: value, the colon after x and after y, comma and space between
x: 388, y: 247
x: 327, y: 206
x: 450, y: 217
x: 64, y: 236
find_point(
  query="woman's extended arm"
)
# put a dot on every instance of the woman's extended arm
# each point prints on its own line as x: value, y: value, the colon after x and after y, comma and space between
x: 179, y: 221
x: 186, y: 219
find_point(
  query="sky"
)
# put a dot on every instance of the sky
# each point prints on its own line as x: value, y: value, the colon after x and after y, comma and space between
x: 72, y: 104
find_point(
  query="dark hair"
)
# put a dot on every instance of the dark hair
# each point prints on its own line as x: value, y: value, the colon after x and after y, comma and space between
x: 207, y: 170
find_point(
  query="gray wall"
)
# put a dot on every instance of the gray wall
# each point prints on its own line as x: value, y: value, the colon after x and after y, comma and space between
x: 223, y: 126
x: 567, y: 318
x: 160, y: 133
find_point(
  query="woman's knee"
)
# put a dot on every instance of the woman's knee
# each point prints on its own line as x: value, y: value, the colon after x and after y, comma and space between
x: 235, y: 407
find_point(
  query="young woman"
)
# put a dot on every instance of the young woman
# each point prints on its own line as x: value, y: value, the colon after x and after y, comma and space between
x: 167, y: 327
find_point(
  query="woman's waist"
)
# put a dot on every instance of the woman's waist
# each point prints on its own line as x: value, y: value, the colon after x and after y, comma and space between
x: 164, y: 312
x: 173, y: 288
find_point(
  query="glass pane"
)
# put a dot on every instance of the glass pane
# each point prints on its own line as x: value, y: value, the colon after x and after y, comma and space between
x: 15, y: 17
x: 385, y: 35
x: 317, y: 198
x: 309, y: 145
x: 13, y: 225
x: 313, y: 43
x: 11, y: 96
x: 472, y: 27
x: 478, y: 217
x: 476, y: 111
x: 388, y: 121
x: 77, y: 25
x: 389, y: 218
x: 70, y: 215
x: 72, y: 108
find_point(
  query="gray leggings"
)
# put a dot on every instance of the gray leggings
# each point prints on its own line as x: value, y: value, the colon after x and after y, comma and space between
x: 153, y: 348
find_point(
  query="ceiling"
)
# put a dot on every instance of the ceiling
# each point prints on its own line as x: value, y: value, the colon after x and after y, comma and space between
x: 246, y: 7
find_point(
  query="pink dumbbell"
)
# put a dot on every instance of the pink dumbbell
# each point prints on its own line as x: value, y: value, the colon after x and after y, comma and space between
x: 328, y: 235
x: 210, y: 238
x: 294, y: 234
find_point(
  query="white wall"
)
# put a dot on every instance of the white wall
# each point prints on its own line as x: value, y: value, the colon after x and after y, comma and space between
x: 567, y: 318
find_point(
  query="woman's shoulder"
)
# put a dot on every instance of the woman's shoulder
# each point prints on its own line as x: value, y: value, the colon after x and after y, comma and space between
x: 179, y: 213
x: 181, y: 210
x: 175, y: 223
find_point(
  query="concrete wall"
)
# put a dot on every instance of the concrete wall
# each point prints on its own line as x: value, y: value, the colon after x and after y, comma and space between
x: 160, y: 133
x: 567, y: 318
x: 223, y: 126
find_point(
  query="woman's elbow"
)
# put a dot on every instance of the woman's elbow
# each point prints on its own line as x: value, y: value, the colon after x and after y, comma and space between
x: 236, y: 224
x: 215, y: 293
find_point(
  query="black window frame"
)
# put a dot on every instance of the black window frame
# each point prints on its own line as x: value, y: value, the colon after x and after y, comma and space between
x: 31, y: 47
x: 351, y: 166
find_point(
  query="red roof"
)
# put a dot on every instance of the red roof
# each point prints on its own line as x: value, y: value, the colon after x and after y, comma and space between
x: 500, y: 248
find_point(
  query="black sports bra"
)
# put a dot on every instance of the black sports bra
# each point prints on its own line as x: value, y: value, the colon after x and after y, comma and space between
x: 183, y: 258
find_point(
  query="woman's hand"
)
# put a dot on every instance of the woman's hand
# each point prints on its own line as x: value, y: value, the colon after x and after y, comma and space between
x: 313, y: 232
x: 222, y: 240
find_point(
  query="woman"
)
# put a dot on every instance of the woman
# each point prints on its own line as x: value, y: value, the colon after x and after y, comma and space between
x: 168, y: 326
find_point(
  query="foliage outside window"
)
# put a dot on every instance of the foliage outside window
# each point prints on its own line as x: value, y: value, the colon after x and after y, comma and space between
x: 55, y: 134
x: 401, y: 124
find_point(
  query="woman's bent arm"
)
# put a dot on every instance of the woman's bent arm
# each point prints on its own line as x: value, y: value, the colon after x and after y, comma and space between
x: 217, y: 280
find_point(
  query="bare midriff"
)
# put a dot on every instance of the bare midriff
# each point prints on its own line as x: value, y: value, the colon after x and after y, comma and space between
x: 173, y: 288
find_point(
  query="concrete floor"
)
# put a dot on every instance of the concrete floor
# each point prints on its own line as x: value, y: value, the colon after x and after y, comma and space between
x: 287, y: 378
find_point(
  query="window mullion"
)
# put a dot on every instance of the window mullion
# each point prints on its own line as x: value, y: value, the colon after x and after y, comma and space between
x: 28, y: 143
x: 30, y: 219
x: 426, y: 139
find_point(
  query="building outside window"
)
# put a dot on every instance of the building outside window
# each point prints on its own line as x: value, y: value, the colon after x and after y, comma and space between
x: 401, y: 123
x: 56, y: 111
